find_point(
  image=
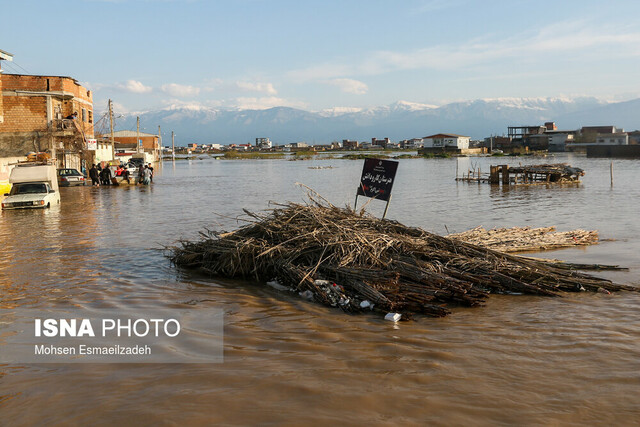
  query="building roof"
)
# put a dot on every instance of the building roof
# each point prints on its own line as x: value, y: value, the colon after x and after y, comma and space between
x: 600, y: 129
x: 130, y: 133
x: 446, y: 135
x: 6, y: 55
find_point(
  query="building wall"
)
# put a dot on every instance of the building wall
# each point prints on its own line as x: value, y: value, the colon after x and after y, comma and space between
x: 461, y: 143
x: 29, y: 103
x: 29, y: 93
x: 148, y: 142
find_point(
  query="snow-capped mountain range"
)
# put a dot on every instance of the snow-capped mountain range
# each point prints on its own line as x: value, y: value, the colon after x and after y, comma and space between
x: 401, y: 120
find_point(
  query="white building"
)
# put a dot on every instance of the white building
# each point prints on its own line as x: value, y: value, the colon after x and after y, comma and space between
x: 263, y: 143
x: 558, y: 141
x: 621, y: 138
x: 447, y: 140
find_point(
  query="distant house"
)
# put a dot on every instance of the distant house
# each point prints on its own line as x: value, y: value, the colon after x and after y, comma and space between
x: 447, y: 140
x: 384, y: 143
x: 413, y: 143
x: 263, y: 143
x: 634, y: 137
x: 349, y: 144
x: 600, y: 135
x: 558, y: 141
x: 295, y: 145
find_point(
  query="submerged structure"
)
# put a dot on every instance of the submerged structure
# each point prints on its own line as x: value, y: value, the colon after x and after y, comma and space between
x: 529, y: 174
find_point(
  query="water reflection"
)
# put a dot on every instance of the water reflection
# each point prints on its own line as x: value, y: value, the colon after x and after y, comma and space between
x: 101, y: 248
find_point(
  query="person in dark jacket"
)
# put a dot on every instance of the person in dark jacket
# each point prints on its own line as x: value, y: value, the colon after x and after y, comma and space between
x: 94, y: 175
x: 105, y: 176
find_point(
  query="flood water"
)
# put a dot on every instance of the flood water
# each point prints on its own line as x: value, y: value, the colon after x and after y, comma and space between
x: 521, y: 360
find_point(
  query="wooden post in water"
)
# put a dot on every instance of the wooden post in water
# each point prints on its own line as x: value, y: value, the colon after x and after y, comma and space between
x: 173, y: 147
x: 611, y: 172
x: 505, y: 174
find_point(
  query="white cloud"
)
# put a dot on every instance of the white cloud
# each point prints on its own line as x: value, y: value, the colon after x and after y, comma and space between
x: 350, y: 86
x: 180, y: 91
x: 134, y: 86
x: 256, y: 87
x: 559, y: 41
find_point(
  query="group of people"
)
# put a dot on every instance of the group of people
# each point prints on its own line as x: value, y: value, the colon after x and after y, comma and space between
x: 105, y: 175
x: 145, y: 174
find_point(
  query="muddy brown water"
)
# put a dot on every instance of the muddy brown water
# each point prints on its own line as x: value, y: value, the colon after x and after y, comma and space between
x: 521, y: 360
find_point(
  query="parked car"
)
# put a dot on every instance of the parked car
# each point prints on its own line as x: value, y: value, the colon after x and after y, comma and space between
x: 70, y: 177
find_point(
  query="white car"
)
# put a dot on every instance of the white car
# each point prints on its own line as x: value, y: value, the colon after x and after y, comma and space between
x: 31, y: 195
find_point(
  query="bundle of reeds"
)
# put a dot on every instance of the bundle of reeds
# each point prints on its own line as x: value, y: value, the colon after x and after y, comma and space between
x: 340, y: 257
x: 521, y: 239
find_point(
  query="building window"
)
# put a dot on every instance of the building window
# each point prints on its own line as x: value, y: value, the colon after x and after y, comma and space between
x: 90, y: 116
x: 84, y: 115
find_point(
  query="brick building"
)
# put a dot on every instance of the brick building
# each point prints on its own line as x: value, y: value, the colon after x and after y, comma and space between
x: 33, y: 111
x: 125, y: 141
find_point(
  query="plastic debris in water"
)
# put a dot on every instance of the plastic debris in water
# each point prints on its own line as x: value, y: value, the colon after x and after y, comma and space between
x: 604, y: 291
x: 365, y: 304
x: 394, y: 317
x: 276, y: 285
x: 306, y: 295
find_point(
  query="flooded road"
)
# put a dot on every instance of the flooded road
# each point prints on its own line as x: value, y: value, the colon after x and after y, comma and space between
x: 518, y: 360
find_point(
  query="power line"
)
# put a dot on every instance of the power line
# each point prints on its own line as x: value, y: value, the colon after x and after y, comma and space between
x: 10, y: 67
x: 22, y: 68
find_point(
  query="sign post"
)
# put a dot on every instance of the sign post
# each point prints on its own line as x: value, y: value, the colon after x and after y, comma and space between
x: 377, y: 180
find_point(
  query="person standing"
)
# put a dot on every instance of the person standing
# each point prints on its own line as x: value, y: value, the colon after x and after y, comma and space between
x: 151, y: 170
x: 105, y: 176
x: 125, y: 175
x: 146, y: 176
x: 141, y: 173
x: 94, y: 175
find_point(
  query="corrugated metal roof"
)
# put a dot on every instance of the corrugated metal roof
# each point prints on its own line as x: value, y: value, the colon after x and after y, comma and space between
x: 450, y: 135
x: 130, y: 133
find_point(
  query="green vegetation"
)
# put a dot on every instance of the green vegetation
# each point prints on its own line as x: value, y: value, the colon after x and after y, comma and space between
x: 408, y: 156
x: 236, y: 155
x: 365, y: 156
x: 443, y: 155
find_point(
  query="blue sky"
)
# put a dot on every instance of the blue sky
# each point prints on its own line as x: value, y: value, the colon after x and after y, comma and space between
x: 151, y: 54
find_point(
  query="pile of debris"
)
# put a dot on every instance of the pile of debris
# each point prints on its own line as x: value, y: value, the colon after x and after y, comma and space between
x: 558, y: 172
x: 347, y: 259
x: 526, y: 239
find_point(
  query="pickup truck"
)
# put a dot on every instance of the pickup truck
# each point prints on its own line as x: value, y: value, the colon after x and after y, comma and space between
x: 34, y: 185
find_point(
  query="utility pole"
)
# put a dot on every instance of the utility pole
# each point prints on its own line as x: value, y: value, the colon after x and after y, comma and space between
x: 159, y: 144
x: 138, y: 134
x: 173, y: 146
x: 113, y: 146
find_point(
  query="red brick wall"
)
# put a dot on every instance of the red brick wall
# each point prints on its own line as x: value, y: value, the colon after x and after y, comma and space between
x: 26, y: 113
x: 148, y: 142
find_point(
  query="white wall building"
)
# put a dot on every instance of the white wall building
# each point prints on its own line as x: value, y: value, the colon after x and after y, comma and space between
x: 447, y: 140
x: 621, y: 138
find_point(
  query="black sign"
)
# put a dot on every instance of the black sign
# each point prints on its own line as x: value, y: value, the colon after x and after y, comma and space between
x: 377, y: 178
